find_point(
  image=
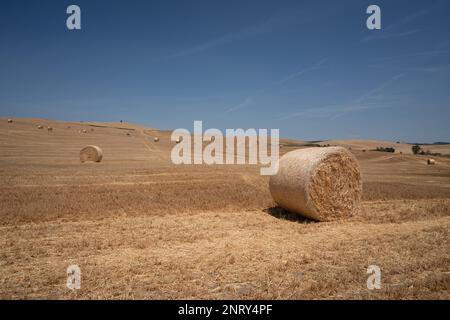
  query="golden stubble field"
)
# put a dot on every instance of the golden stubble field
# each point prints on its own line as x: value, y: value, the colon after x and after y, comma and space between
x: 140, y: 227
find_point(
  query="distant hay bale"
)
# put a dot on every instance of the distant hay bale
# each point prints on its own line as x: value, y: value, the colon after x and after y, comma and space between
x: 128, y: 134
x: 84, y: 131
x: 10, y: 120
x: 91, y: 153
x: 156, y: 139
x: 431, y: 161
x: 40, y: 127
x: 323, y: 184
x: 49, y: 128
x: 178, y: 140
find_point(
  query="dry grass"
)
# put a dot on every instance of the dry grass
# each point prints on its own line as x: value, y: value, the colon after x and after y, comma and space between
x: 142, y: 228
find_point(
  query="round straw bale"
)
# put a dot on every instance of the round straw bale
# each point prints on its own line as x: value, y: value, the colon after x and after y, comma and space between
x: 10, y: 120
x: 156, y: 139
x: 84, y: 131
x: 431, y: 161
x: 178, y: 140
x: 91, y: 153
x: 49, y: 128
x: 40, y: 126
x: 323, y: 184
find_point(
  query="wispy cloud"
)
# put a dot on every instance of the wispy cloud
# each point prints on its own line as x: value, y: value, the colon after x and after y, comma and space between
x: 388, y: 35
x: 443, y: 44
x: 242, y: 34
x: 425, y: 54
x: 248, y: 100
x: 240, y: 105
x: 379, y: 88
x: 367, y: 101
x: 434, y: 68
x: 411, y: 17
x: 335, y: 111
x: 285, y: 18
x: 300, y: 73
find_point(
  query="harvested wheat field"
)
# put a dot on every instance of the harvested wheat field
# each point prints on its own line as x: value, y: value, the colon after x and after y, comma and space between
x: 140, y: 227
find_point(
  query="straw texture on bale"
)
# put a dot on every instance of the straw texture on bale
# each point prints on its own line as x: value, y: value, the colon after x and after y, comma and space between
x: 431, y: 161
x: 323, y: 184
x: 91, y: 153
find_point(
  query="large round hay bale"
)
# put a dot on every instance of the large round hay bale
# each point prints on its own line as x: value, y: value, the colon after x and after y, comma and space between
x: 431, y: 161
x: 49, y: 128
x: 323, y: 184
x: 91, y: 153
x: 40, y: 126
x: 10, y: 120
x: 156, y: 139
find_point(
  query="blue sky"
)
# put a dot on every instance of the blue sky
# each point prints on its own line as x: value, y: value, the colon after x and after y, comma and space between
x: 310, y: 68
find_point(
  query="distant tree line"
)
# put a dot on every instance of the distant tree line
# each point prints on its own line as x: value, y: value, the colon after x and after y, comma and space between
x: 383, y: 149
x: 416, y: 149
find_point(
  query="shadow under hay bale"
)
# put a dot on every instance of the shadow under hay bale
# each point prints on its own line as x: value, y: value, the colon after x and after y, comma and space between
x: 280, y: 213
